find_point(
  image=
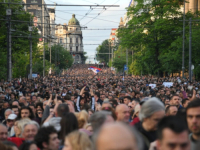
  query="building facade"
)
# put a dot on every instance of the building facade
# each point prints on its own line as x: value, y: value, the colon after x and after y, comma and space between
x: 60, y: 34
x: 74, y: 40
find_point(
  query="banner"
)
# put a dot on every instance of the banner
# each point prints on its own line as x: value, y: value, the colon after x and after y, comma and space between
x: 152, y: 85
x: 168, y: 84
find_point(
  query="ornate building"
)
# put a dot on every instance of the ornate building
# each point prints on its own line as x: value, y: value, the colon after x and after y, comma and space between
x: 74, y: 40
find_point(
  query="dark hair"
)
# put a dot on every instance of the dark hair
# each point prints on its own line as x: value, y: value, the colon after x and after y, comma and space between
x: 14, y: 106
x: 97, y: 94
x: 30, y: 110
x: 173, y: 96
x: 39, y: 104
x: 184, y: 100
x: 168, y: 107
x: 173, y: 123
x: 62, y: 108
x: 43, y: 135
x: 193, y: 104
x: 67, y: 97
x: 128, y: 97
x: 26, y: 145
x: 8, y: 143
x: 68, y: 124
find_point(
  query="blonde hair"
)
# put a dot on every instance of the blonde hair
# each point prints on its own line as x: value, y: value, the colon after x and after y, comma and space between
x: 82, y: 118
x: 79, y: 141
x: 20, y: 124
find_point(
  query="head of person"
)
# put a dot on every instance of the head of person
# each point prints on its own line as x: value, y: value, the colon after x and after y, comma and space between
x: 3, y: 133
x: 11, y: 120
x: 26, y: 112
x: 68, y: 124
x: 82, y: 118
x: 11, y: 145
x: 30, y: 130
x: 15, y: 109
x: 67, y: 97
x: 174, y: 100
x: 127, y: 100
x: 171, y: 110
x: 134, y: 103
x: 34, y: 98
x: 122, y: 113
x: 28, y: 146
x: 7, y: 113
x: 193, y: 118
x: 47, y: 138
x: 77, y: 141
x: 99, y: 118
x: 96, y: 95
x: 117, y: 136
x: 172, y: 133
x: 62, y: 108
x: 90, y: 112
x: 19, y: 125
x: 152, y: 111
x: 16, y: 103
x: 185, y: 102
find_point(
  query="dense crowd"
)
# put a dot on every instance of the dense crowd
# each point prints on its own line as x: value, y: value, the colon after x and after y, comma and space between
x: 81, y: 110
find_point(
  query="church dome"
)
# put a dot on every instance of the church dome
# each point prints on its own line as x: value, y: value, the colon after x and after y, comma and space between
x: 73, y: 21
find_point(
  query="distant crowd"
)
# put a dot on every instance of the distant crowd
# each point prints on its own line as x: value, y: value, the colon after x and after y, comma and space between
x: 81, y: 110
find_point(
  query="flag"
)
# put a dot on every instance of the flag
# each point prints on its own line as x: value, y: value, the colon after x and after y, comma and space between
x: 94, y: 69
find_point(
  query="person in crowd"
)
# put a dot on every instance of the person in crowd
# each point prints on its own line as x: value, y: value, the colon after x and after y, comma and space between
x: 174, y: 100
x: 18, y: 127
x: 28, y: 146
x: 100, y: 118
x: 11, y: 145
x: 122, y: 113
x: 55, y: 121
x: 26, y: 112
x: 127, y: 100
x: 171, y: 110
x: 152, y: 111
x: 82, y: 118
x: 193, y: 121
x: 6, y: 114
x: 47, y: 138
x: 68, y: 124
x: 15, y: 109
x: 135, y: 116
x: 172, y: 134
x: 10, y: 123
x: 3, y: 133
x: 77, y: 141
x: 185, y: 102
x: 30, y: 130
x: 117, y: 136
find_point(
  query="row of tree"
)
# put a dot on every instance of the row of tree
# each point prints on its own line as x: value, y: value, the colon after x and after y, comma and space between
x: 154, y: 35
x: 20, y: 46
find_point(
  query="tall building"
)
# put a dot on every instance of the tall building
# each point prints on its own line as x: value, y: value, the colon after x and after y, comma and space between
x: 41, y: 16
x: 113, y: 38
x: 60, y: 34
x: 74, y: 39
x: 52, y: 25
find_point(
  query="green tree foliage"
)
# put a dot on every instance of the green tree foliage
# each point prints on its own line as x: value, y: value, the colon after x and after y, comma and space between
x: 103, y: 48
x: 152, y: 29
x: 60, y: 57
x: 20, y: 39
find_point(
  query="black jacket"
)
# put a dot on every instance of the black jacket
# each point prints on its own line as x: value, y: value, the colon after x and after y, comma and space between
x: 147, y: 136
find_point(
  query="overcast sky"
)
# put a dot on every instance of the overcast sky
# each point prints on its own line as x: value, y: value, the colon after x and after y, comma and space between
x: 111, y: 18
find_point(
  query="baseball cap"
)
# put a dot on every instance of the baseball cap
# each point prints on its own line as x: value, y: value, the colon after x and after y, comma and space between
x: 12, y: 117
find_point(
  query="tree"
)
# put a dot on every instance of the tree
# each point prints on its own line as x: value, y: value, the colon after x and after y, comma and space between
x: 153, y: 26
x: 20, y: 40
x: 103, y: 48
x: 60, y: 57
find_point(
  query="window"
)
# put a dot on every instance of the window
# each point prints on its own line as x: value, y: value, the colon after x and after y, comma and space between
x: 77, y: 48
x: 61, y: 41
x: 70, y: 40
x: 76, y: 40
x: 70, y: 48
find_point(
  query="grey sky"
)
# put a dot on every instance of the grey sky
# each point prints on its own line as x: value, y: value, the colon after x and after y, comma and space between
x: 112, y: 14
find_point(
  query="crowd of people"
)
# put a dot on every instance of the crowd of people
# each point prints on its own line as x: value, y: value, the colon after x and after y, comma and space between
x: 81, y: 110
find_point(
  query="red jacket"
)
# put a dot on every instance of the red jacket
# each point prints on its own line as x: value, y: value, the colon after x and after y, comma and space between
x: 18, y: 141
x: 135, y: 120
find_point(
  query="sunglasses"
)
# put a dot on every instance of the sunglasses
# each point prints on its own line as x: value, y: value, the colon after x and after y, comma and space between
x: 130, y: 106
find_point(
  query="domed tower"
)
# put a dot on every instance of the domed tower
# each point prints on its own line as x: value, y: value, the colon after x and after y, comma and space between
x: 74, y: 40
